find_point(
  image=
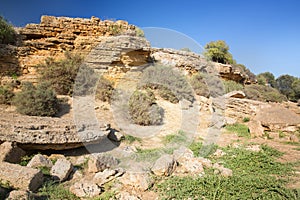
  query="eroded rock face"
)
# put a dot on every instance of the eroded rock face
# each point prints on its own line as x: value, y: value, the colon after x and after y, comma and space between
x: 277, y: 118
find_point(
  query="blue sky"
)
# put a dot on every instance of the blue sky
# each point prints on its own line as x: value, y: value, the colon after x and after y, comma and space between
x: 262, y: 34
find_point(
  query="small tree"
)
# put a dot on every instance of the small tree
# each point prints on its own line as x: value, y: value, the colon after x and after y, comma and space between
x: 267, y: 78
x: 6, y: 95
x: 218, y: 51
x: 104, y: 89
x: 61, y: 74
x: 285, y: 86
x: 37, y: 100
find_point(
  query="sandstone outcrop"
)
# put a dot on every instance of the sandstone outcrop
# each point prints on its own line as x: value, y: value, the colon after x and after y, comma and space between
x: 46, y: 133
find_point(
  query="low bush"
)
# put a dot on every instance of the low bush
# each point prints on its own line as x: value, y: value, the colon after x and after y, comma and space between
x: 6, y: 95
x: 232, y: 86
x: 263, y: 93
x: 143, y: 109
x: 139, y: 32
x: 172, y: 85
x: 104, y: 90
x: 52, y: 190
x: 199, y: 85
x: 7, y: 32
x: 37, y: 100
x: 61, y: 74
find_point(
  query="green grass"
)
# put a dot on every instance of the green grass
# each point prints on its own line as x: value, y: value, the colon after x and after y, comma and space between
x: 177, y: 138
x: 130, y: 139
x: 256, y: 175
x: 55, y: 191
x: 25, y: 159
x: 240, y: 129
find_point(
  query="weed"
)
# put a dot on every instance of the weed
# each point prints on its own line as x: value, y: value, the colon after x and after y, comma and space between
x: 25, y: 160
x: 130, y: 139
x: 241, y: 130
x: 195, y: 147
x: 232, y: 86
x: 45, y: 170
x: 6, y: 95
x: 104, y: 89
x: 246, y: 119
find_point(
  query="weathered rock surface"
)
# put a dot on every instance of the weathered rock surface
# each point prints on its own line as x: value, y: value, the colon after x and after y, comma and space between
x: 107, y: 175
x: 255, y: 128
x: 235, y: 94
x: 11, y: 153
x: 24, y: 178
x: 101, y: 161
x: 164, y: 166
x: 61, y: 169
x: 136, y: 180
x: 85, y: 189
x: 43, y: 133
x: 277, y: 118
x: 40, y: 161
x: 115, y: 136
x: 19, y: 195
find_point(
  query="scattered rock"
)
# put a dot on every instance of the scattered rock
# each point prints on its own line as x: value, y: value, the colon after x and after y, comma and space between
x: 255, y: 148
x: 107, y: 175
x: 164, y: 166
x: 235, y: 94
x: 61, y: 169
x: 85, y: 189
x: 40, y: 161
x: 294, y: 138
x: 137, y: 180
x: 11, y: 153
x: 220, y: 169
x: 255, y: 128
x: 205, y: 162
x: 190, y: 166
x: 182, y: 153
x: 100, y: 162
x: 219, y: 153
x: 115, y: 136
x: 19, y: 195
x: 126, y: 196
x: 24, y: 178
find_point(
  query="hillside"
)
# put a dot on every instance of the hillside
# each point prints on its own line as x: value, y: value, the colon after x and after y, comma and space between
x: 136, y: 122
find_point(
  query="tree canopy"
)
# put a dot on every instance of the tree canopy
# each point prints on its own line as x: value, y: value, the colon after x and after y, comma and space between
x: 218, y: 51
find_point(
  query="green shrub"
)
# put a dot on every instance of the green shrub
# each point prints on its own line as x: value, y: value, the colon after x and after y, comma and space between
x: 7, y: 32
x: 6, y: 95
x: 232, y: 86
x: 263, y: 93
x: 172, y: 83
x: 37, y: 100
x: 104, y: 89
x: 199, y: 85
x: 61, y: 74
x: 143, y: 109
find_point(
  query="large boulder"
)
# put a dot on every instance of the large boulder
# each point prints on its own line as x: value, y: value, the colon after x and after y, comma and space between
x: 277, y: 118
x: 24, y: 178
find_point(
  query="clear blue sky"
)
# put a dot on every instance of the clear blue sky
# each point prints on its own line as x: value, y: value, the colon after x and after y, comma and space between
x: 262, y: 34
